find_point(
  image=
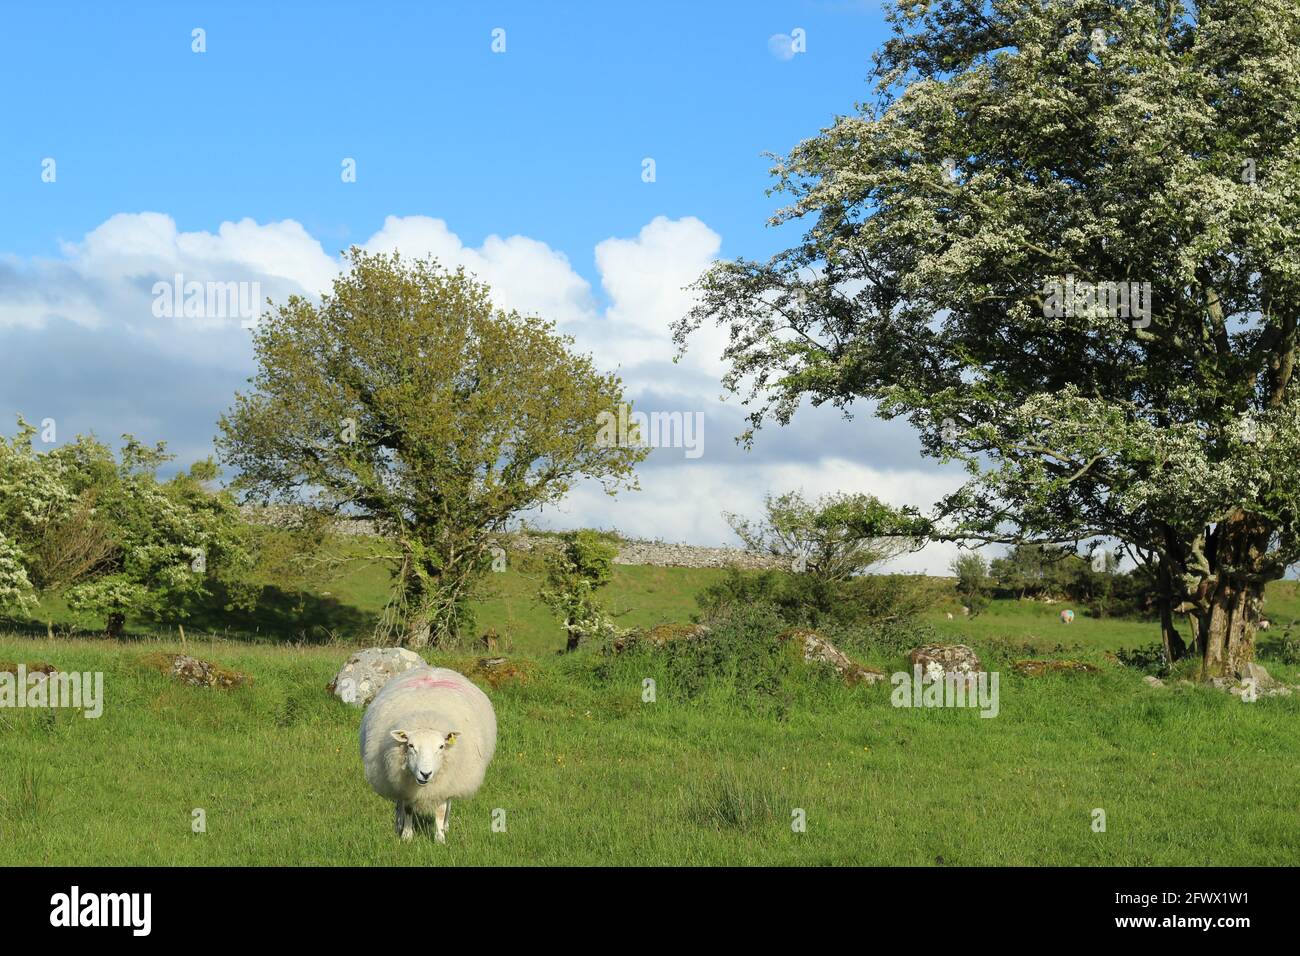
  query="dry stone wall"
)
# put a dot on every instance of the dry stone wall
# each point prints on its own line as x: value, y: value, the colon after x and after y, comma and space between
x: 640, y: 552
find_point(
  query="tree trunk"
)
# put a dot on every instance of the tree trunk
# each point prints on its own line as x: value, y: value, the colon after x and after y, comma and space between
x: 1175, y: 649
x: 1226, y: 629
x: 115, y: 625
x: 418, y: 629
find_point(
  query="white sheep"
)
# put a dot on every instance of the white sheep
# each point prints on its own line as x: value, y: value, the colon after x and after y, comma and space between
x: 428, y: 736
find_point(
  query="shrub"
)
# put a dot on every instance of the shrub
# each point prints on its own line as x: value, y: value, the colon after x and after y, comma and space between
x: 803, y: 600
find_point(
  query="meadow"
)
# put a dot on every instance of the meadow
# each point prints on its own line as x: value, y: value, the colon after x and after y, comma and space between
x: 587, y: 772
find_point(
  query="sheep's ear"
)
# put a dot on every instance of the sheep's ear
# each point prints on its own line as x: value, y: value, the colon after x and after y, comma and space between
x: 400, y: 737
x: 451, y: 738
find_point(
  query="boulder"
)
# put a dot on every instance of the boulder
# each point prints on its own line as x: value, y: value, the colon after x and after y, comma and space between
x: 367, y: 671
x: 816, y: 649
x: 659, y: 635
x: 31, y: 667
x: 1256, y: 672
x: 195, y: 672
x: 1032, y: 668
x: 936, y: 660
x: 1152, y: 681
x: 497, y: 671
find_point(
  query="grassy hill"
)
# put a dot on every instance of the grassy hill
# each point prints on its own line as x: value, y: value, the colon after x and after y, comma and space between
x: 586, y: 772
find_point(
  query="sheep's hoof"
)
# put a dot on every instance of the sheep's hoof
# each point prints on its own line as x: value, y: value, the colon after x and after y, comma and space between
x: 408, y: 835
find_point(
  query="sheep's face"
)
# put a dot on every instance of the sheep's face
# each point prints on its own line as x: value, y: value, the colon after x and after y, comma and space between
x: 424, y: 751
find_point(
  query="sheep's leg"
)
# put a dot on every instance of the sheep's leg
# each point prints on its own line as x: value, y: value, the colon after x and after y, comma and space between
x: 440, y: 816
x: 399, y: 818
x: 408, y: 822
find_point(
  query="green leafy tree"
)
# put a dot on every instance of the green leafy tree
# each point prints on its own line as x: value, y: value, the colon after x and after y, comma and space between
x: 574, y: 573
x: 817, y: 537
x: 406, y: 398
x: 972, y: 573
x: 1009, y: 151
x: 111, y: 536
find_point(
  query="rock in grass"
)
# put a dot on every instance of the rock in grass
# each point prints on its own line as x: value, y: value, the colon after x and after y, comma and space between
x: 1033, y: 668
x: 1256, y: 672
x: 368, y: 670
x: 659, y: 635
x: 1152, y: 681
x: 936, y: 660
x: 817, y: 649
x: 31, y: 667
x: 498, y: 671
x: 196, y: 673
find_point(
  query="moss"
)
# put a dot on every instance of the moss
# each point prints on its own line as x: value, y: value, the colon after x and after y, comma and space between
x: 498, y: 671
x: 32, y: 667
x: 660, y: 635
x: 196, y: 673
x: 1032, y: 668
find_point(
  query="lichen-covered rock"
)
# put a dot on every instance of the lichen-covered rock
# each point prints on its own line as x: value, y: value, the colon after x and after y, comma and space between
x: 1257, y: 672
x: 195, y: 672
x: 31, y: 667
x: 1033, y: 668
x: 1152, y: 681
x: 366, y: 671
x: 817, y: 649
x: 660, y: 634
x: 936, y: 660
x: 498, y: 671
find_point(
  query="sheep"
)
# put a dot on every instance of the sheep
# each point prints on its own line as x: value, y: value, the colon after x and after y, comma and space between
x: 428, y: 736
x: 1067, y: 616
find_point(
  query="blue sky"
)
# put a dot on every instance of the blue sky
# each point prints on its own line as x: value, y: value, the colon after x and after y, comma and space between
x: 525, y: 166
x: 545, y: 140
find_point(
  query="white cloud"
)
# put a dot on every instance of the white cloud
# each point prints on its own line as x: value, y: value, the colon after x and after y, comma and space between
x: 68, y: 314
x: 524, y: 274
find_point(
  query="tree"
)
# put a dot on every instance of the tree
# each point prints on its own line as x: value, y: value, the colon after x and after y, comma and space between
x: 1060, y: 241
x: 104, y: 530
x: 574, y: 573
x: 815, y: 537
x: 406, y: 398
x: 972, y: 573
x: 1031, y: 569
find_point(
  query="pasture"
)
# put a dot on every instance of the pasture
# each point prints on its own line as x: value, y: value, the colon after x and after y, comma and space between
x: 588, y: 773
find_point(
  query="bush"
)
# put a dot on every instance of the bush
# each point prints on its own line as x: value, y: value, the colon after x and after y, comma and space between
x: 740, y: 659
x: 804, y: 600
x: 1284, y: 648
x: 1150, y: 659
x: 972, y: 573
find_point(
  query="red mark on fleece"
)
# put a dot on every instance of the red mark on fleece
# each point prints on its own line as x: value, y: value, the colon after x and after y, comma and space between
x: 434, y: 682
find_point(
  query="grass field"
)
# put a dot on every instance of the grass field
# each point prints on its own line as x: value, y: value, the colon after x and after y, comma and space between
x: 588, y: 773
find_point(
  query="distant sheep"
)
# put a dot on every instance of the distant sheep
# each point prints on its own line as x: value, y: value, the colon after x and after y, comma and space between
x: 1067, y: 616
x: 428, y: 736
x: 1265, y: 624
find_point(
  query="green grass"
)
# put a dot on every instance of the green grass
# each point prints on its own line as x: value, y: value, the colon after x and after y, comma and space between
x: 344, y: 610
x: 588, y: 773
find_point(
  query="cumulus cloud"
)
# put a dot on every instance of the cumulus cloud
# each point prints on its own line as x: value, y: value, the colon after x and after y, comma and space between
x: 83, y: 343
x: 524, y: 274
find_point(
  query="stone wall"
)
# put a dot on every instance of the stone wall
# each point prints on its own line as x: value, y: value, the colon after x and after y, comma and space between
x: 651, y: 553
